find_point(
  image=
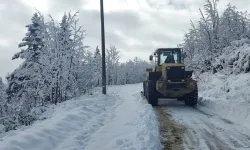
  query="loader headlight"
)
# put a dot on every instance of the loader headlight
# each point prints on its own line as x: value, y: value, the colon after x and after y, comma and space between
x: 169, y: 80
x: 183, y: 80
x: 182, y: 67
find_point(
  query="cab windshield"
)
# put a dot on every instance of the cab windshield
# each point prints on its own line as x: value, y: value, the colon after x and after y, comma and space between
x: 169, y: 57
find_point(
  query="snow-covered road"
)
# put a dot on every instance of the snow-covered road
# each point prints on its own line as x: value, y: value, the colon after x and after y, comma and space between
x: 121, y: 120
x: 206, y: 129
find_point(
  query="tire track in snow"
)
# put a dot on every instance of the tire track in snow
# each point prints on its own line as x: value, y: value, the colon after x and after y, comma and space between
x: 206, y: 130
x: 171, y: 131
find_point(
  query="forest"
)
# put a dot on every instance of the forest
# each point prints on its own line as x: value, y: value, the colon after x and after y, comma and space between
x: 57, y: 66
x: 218, y: 42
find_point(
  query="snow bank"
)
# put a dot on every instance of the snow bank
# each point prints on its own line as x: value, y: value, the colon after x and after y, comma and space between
x: 71, y: 122
x: 227, y: 91
x: 226, y: 95
x: 110, y: 122
x: 235, y: 58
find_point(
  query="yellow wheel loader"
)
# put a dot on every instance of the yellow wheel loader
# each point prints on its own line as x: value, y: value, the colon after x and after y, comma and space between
x: 169, y: 79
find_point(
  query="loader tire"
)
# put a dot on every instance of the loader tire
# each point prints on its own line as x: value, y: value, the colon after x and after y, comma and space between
x: 152, y: 95
x: 144, y: 92
x: 192, y: 98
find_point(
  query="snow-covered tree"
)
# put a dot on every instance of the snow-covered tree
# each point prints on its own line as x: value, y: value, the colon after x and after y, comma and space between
x: 233, y: 25
x: 24, y: 82
x: 2, y: 98
x: 97, y: 67
x: 205, y: 42
x: 66, y: 55
x: 53, y: 57
x: 89, y: 73
x: 112, y: 60
x: 132, y: 71
x: 208, y: 32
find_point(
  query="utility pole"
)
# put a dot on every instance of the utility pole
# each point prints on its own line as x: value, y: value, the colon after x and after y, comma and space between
x: 103, y: 49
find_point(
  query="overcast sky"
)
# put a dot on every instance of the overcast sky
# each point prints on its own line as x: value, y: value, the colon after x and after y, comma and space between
x: 135, y: 27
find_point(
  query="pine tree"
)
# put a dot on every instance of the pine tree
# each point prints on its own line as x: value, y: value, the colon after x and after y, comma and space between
x: 33, y: 41
x: 24, y: 82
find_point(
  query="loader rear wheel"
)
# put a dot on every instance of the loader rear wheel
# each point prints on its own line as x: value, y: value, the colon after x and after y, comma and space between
x: 152, y: 95
x: 192, y: 98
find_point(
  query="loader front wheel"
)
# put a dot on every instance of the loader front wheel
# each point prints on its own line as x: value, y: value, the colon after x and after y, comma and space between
x: 192, y: 98
x: 152, y: 95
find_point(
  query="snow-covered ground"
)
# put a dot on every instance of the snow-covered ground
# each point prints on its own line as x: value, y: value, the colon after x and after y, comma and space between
x: 207, y: 131
x: 221, y: 119
x: 119, y: 120
x: 227, y: 96
x: 123, y: 120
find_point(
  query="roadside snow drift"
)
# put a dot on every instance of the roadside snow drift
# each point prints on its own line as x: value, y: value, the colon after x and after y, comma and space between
x: 227, y: 96
x: 119, y: 120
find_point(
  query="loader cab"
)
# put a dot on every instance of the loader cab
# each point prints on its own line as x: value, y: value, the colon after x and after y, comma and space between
x: 168, y: 55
